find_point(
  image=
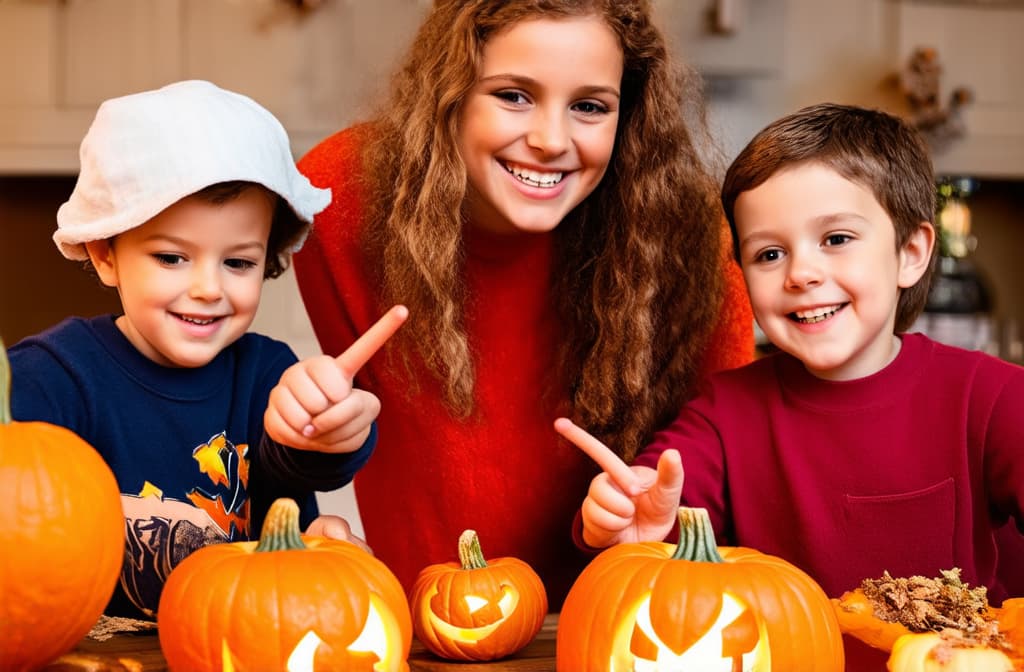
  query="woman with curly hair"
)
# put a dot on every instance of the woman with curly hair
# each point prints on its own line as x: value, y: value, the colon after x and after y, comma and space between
x: 532, y: 190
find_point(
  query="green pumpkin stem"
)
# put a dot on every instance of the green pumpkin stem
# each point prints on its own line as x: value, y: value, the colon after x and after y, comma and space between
x: 696, y: 537
x: 281, y: 528
x: 470, y: 554
x: 5, y: 386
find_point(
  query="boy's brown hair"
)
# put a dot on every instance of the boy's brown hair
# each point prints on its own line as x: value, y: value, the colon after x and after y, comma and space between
x: 286, y: 229
x: 872, y: 148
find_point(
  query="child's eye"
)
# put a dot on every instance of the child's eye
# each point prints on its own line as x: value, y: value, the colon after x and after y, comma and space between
x: 240, y: 264
x: 168, y: 259
x: 836, y: 239
x: 769, y: 255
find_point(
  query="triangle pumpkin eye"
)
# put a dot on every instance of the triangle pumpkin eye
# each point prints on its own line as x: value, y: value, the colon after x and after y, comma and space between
x: 475, y: 603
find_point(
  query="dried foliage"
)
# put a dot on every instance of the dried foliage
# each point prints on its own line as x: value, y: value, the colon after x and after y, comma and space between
x: 944, y: 604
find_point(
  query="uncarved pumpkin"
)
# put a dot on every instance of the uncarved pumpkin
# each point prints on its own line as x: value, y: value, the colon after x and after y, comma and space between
x: 477, y: 609
x: 61, y: 535
x: 695, y: 606
x: 289, y: 602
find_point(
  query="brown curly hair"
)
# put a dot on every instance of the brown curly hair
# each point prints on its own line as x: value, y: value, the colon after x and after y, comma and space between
x: 637, y: 281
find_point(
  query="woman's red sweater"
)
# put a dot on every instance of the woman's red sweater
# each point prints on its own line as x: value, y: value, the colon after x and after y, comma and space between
x: 505, y: 473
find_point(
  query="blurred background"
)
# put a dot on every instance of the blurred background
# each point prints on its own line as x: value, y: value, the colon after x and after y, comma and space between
x: 951, y: 66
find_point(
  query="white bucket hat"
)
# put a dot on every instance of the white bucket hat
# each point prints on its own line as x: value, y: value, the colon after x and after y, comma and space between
x: 146, y: 151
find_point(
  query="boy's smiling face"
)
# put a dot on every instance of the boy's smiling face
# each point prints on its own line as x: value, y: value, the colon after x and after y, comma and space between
x: 819, y: 257
x: 190, y: 278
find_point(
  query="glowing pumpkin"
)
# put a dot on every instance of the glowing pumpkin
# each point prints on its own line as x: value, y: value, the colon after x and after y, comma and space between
x: 696, y: 607
x: 477, y: 610
x: 927, y: 652
x: 288, y: 602
x: 62, y: 535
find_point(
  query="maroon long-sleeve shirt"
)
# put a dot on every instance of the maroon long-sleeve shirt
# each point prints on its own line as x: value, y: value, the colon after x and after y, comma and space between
x: 910, y: 470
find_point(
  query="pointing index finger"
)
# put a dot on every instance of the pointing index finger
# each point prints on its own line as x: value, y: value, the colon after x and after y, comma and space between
x: 360, y: 352
x: 600, y: 453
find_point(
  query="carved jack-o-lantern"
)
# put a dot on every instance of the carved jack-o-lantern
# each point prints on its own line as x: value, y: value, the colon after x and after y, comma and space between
x: 290, y: 603
x: 477, y: 610
x: 696, y: 607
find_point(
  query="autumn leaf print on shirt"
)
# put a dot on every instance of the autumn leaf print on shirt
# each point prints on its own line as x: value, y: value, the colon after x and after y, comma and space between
x: 227, y: 467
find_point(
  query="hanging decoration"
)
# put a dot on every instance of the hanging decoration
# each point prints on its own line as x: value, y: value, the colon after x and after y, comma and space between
x: 939, y: 117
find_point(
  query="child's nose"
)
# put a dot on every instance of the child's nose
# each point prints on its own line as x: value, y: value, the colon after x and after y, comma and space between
x: 206, y: 284
x: 804, y: 272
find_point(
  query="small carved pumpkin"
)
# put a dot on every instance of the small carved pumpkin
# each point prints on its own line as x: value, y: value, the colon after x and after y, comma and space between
x: 289, y: 602
x: 928, y: 652
x: 475, y: 609
x: 62, y: 535
x: 694, y: 606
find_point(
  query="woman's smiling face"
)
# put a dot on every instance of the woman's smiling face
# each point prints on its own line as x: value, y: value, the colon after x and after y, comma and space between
x: 537, y: 131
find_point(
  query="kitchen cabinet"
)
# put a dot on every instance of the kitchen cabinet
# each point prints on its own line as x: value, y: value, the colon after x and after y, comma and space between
x: 727, y: 38
x: 314, y: 69
x: 60, y: 59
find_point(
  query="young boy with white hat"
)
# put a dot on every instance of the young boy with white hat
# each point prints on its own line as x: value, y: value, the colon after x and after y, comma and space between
x: 187, y: 199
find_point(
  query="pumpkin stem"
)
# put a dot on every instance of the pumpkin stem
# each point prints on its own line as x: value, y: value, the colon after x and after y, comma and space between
x: 696, y: 538
x: 281, y: 528
x: 5, y: 385
x: 470, y: 554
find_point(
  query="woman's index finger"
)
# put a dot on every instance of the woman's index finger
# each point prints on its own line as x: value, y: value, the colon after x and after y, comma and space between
x: 605, y: 458
x: 360, y: 352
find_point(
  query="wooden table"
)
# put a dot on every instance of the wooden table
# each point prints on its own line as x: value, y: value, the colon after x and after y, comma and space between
x: 144, y: 649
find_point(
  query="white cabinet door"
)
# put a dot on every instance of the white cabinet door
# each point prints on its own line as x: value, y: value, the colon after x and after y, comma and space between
x: 727, y: 38
x: 60, y: 59
x: 316, y: 70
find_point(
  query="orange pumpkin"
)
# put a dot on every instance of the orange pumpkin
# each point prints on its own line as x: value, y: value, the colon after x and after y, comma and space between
x: 289, y: 602
x: 856, y: 615
x: 477, y: 610
x: 62, y: 535
x: 695, y: 606
x: 927, y: 652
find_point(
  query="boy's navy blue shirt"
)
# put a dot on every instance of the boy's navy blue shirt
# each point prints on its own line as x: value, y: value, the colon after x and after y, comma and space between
x: 187, y: 445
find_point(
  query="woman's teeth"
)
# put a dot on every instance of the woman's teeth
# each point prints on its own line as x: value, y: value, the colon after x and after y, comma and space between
x: 534, y: 178
x: 816, y: 315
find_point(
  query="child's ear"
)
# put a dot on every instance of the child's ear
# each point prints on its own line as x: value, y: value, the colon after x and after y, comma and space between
x: 101, y: 254
x: 915, y: 255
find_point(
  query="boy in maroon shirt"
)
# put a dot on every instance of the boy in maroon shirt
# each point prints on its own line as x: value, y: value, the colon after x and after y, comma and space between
x: 858, y: 448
